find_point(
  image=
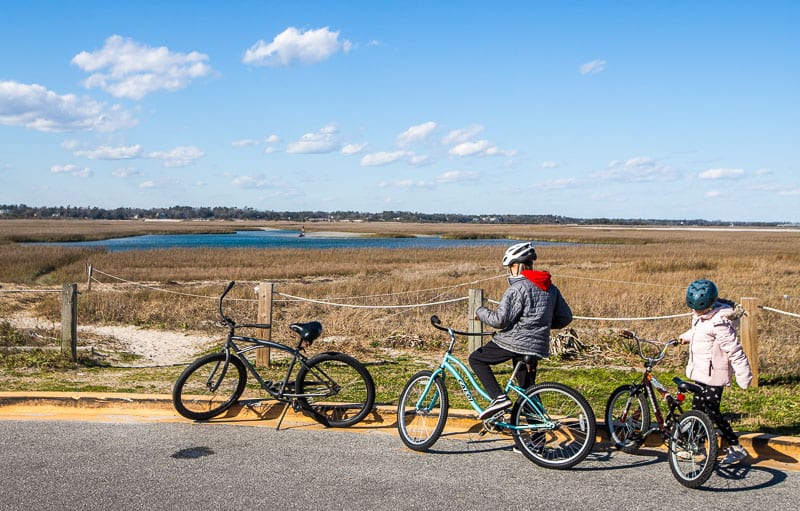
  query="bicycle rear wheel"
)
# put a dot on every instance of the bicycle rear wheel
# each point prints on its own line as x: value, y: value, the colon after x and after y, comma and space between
x: 627, y: 418
x: 421, y: 415
x: 692, y: 449
x: 209, y: 386
x: 337, y: 387
x: 555, y: 427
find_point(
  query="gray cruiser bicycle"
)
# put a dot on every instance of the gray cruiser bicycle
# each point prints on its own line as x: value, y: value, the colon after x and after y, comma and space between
x: 552, y: 424
x: 333, y: 388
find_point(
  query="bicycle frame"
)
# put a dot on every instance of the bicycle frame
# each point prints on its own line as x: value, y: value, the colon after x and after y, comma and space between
x: 650, y: 384
x: 280, y: 393
x: 469, y: 385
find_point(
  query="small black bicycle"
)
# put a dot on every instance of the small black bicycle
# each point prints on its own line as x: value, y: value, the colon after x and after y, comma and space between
x: 333, y: 388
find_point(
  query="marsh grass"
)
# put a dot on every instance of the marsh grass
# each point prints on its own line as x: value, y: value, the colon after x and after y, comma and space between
x: 613, y: 273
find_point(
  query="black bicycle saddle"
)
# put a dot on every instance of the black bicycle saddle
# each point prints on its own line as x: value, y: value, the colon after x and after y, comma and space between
x: 307, y: 331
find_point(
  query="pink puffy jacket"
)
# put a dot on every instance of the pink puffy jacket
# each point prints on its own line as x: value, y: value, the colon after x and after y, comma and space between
x: 714, y: 352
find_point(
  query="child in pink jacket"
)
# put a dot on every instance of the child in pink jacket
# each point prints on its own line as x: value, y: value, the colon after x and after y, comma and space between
x: 715, y: 354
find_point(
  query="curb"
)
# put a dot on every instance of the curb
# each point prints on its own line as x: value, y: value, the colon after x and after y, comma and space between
x: 119, y: 407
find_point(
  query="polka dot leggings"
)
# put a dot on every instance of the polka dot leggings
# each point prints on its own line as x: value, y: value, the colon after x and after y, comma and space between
x: 708, y: 401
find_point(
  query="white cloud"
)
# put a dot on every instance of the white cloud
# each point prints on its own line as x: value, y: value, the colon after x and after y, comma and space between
x: 110, y: 153
x: 640, y: 168
x: 72, y: 170
x: 253, y: 182
x: 550, y: 164
x: 416, y: 133
x: 470, y: 148
x: 245, y: 142
x: 478, y: 148
x: 455, y: 176
x: 713, y: 193
x: 269, y: 150
x: 123, y: 173
x: 324, y: 141
x: 462, y: 135
x: 593, y: 67
x: 557, y: 184
x: 127, y: 69
x: 272, y: 139
x: 162, y: 183
x: 418, y: 160
x: 382, y: 158
x: 33, y: 106
x: 406, y: 183
x: 178, y: 157
x: 307, y: 46
x: 351, y: 149
x: 720, y: 173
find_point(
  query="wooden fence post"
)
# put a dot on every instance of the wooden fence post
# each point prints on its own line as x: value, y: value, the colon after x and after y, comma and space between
x: 88, y: 277
x: 69, y: 321
x: 265, y: 290
x: 749, y: 334
x: 474, y: 325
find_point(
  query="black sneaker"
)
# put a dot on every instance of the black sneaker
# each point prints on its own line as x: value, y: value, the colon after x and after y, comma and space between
x: 501, y: 402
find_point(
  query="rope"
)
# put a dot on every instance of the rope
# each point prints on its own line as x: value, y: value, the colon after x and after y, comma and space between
x: 634, y: 319
x: 30, y: 290
x: 162, y: 290
x: 779, y: 311
x: 322, y: 302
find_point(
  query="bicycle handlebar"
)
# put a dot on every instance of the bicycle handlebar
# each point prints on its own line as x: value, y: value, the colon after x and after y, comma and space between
x: 663, y: 351
x: 437, y: 323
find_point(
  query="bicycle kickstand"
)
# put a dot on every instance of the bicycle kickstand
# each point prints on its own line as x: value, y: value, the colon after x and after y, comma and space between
x: 283, y: 414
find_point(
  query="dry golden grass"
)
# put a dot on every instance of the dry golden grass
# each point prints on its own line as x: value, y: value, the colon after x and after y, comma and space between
x: 616, y: 273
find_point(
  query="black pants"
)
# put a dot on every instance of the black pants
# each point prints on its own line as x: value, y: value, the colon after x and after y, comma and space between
x: 708, y: 401
x: 481, y: 359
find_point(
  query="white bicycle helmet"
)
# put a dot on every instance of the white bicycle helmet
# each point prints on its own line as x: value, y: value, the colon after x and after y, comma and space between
x: 519, y: 253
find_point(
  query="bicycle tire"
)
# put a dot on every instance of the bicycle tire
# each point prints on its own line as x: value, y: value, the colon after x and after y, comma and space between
x: 208, y: 386
x: 569, y: 427
x: 342, y: 388
x: 692, y: 449
x: 420, y: 427
x: 627, y: 417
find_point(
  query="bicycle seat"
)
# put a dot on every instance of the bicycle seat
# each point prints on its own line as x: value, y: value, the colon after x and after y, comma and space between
x: 307, y: 331
x: 529, y: 359
x: 685, y: 386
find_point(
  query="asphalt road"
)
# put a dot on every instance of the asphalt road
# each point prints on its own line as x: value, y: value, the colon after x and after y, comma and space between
x: 100, y: 466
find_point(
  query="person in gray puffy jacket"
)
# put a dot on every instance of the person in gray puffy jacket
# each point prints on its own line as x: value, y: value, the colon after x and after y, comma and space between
x: 714, y: 355
x: 529, y: 308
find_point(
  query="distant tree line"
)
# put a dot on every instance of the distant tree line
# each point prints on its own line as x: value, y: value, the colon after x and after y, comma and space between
x: 233, y: 213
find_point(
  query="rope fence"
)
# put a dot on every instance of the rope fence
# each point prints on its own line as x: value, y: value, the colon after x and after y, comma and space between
x: 415, y: 305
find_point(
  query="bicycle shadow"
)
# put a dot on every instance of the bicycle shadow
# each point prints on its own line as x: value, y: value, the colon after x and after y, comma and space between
x: 735, y: 478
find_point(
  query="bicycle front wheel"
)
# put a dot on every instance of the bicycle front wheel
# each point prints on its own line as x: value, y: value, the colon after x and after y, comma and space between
x: 693, y: 449
x: 554, y: 427
x: 209, y: 386
x: 421, y: 414
x: 337, y: 387
x: 627, y: 418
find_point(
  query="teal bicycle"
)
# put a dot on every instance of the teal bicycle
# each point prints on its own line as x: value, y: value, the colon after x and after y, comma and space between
x: 552, y: 424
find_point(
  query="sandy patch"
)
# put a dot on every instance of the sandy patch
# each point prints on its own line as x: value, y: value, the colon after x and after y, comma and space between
x: 156, y: 347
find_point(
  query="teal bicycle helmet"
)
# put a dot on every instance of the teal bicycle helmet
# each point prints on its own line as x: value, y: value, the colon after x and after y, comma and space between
x: 701, y: 294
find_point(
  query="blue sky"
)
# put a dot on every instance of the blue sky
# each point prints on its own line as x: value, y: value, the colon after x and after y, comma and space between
x: 677, y: 110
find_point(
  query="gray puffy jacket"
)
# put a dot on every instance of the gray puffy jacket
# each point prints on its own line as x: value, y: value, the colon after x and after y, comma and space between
x: 528, y: 309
